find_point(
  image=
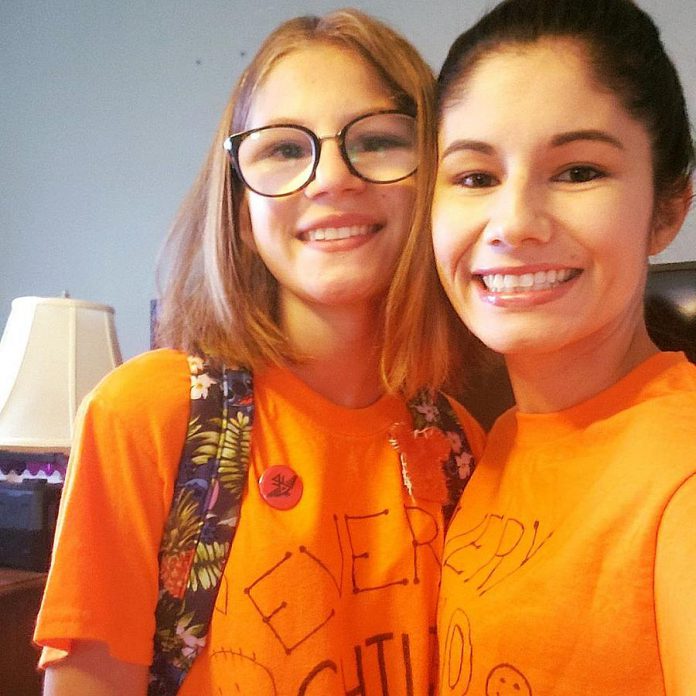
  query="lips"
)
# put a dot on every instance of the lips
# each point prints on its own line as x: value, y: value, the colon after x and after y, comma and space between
x: 511, y: 283
x: 321, y: 234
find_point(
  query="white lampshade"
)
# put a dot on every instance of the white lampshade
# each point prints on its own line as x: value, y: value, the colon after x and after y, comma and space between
x: 52, y: 352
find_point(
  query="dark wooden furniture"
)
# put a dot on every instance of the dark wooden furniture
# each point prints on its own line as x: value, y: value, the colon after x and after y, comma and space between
x: 670, y: 306
x: 20, y: 596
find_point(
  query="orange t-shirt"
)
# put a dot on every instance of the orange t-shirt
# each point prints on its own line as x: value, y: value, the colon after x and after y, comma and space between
x: 550, y: 568
x: 336, y: 594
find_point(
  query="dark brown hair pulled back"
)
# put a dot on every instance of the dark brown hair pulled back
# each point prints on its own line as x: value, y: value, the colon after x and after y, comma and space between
x: 625, y: 52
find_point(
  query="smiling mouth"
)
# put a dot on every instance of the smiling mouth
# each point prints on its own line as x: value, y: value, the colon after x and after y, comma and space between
x: 527, y: 282
x: 327, y: 234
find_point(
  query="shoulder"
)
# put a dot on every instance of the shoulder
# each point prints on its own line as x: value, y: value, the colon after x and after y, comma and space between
x: 149, y: 390
x: 149, y: 377
x: 666, y: 381
x: 665, y: 416
x: 651, y: 412
x: 156, y: 368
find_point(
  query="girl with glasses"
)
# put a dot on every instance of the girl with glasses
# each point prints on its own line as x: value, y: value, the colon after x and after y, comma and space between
x: 565, y: 160
x: 285, y: 260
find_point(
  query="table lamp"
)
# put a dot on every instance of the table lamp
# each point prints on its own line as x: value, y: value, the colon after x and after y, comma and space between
x: 52, y: 352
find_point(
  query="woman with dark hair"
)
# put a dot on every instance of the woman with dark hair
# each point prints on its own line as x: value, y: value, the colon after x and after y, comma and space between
x: 565, y: 161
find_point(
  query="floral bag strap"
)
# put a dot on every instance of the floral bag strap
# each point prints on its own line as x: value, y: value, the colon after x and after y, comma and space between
x: 437, y: 435
x: 203, y: 518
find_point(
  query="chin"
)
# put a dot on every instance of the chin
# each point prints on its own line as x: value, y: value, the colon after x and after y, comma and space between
x: 521, y: 343
x: 518, y: 333
x: 346, y: 296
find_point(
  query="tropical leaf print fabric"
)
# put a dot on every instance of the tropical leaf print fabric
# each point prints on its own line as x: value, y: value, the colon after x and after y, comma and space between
x: 203, y: 518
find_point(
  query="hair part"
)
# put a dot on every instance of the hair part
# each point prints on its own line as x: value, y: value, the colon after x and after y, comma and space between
x: 625, y: 53
x: 217, y: 295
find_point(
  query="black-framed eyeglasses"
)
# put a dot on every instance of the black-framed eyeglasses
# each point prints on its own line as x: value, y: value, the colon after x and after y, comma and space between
x: 379, y: 147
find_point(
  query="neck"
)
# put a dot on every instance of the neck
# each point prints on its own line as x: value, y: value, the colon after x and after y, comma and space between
x: 340, y: 348
x: 549, y: 382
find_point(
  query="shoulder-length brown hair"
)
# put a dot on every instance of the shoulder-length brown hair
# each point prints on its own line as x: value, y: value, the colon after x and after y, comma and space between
x: 220, y: 298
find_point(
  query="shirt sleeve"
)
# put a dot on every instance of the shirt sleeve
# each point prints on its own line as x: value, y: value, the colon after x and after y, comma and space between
x: 675, y: 590
x: 103, y: 580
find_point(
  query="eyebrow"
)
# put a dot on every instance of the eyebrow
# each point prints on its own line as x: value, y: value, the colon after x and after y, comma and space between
x: 468, y: 145
x: 301, y: 121
x: 596, y: 135
x: 557, y: 141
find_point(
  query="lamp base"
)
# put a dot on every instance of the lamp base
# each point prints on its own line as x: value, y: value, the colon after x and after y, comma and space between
x: 19, y: 466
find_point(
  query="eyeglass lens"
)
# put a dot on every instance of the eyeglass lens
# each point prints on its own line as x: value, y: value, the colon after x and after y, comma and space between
x: 281, y: 159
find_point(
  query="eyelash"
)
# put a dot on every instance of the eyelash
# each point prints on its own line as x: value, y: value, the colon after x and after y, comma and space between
x: 478, y: 180
x: 594, y: 173
x: 490, y: 180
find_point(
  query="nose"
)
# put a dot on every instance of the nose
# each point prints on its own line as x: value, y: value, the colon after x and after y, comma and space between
x: 518, y: 215
x: 332, y: 174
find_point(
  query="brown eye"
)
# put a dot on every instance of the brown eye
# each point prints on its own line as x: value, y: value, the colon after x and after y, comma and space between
x: 580, y: 174
x: 477, y: 180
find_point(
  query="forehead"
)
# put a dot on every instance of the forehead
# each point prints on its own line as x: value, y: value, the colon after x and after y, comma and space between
x: 531, y: 90
x: 315, y: 80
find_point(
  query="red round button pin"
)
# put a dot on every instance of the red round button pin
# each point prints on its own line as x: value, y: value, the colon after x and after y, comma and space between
x: 280, y: 487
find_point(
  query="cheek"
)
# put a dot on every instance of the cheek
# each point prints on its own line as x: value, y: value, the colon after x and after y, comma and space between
x: 269, y: 217
x: 400, y: 203
x: 621, y: 230
x: 450, y: 237
x: 245, y: 227
x: 442, y: 248
x: 257, y: 218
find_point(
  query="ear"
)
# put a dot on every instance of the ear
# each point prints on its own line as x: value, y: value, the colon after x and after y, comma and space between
x: 669, y: 218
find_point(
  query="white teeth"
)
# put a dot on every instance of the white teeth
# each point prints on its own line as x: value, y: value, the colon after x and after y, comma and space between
x: 330, y: 233
x: 541, y: 280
